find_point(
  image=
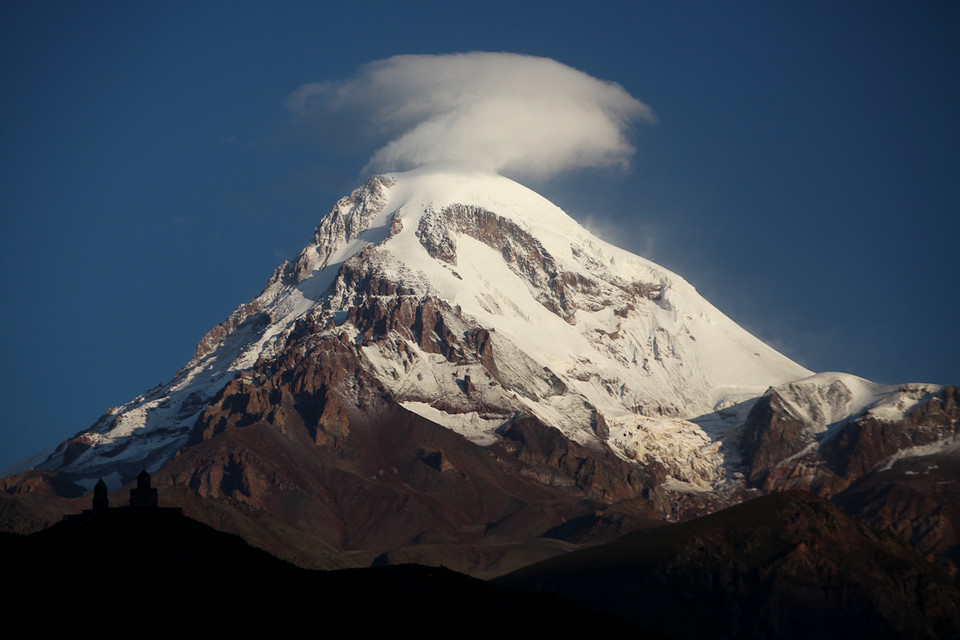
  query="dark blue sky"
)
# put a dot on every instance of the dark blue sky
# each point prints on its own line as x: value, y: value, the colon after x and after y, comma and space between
x: 804, y: 172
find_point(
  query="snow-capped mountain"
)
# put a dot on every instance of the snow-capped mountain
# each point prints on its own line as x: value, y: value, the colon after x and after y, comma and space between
x: 443, y: 302
x: 575, y: 329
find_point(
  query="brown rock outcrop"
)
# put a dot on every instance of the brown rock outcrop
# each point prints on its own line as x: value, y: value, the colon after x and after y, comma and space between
x: 913, y: 496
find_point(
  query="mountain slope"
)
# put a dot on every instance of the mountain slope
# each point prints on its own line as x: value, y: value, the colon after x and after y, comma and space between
x: 452, y: 360
x: 166, y: 575
x: 788, y: 565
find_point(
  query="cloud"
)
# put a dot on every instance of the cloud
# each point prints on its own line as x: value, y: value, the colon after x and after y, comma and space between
x: 509, y: 113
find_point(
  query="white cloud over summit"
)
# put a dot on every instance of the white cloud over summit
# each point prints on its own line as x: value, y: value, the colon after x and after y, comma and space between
x: 509, y: 113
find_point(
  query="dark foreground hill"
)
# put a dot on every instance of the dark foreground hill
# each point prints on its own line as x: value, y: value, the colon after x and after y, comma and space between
x: 787, y: 565
x: 155, y: 573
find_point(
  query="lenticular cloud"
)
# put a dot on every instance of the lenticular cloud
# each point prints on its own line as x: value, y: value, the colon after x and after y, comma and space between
x: 499, y: 112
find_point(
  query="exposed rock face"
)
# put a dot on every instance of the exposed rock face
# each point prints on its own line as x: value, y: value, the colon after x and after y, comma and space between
x: 788, y: 419
x: 302, y: 387
x: 599, y: 474
x: 215, y: 336
x: 868, y: 439
x: 350, y: 217
x: 556, y: 289
x: 313, y: 438
x: 347, y: 220
x: 786, y: 450
x: 897, y: 470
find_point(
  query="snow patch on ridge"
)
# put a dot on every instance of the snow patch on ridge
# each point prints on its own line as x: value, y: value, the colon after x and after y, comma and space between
x: 470, y: 425
x: 826, y: 401
x: 946, y: 446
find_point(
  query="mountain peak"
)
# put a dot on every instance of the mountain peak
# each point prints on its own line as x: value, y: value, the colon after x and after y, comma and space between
x: 472, y: 299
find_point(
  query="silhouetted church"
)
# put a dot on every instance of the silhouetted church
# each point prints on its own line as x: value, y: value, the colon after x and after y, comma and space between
x: 100, y: 500
x: 143, y: 496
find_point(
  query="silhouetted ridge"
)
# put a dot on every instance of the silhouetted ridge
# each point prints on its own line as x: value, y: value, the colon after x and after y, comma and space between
x: 155, y: 573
